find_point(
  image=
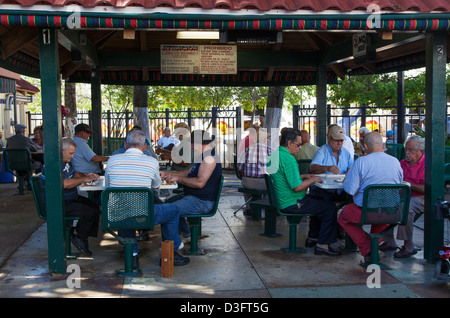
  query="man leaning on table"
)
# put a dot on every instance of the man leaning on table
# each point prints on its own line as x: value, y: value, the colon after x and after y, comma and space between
x: 74, y: 204
x: 290, y: 189
x: 376, y: 167
x: 135, y: 169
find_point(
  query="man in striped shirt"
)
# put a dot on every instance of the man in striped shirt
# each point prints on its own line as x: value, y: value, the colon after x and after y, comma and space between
x: 135, y: 169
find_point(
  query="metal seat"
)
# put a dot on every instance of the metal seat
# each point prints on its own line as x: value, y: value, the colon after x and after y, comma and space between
x: 384, y: 204
x: 128, y: 208
x: 293, y: 219
x: 112, y: 144
x: 18, y: 162
x: 303, y: 165
x: 396, y: 150
x: 195, y: 223
x: 39, y: 201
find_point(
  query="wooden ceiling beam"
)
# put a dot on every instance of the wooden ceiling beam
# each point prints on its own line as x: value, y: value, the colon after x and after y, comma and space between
x: 15, y: 39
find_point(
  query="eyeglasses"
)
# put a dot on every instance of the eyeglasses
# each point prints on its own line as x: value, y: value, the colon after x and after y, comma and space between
x: 298, y: 145
x: 411, y: 150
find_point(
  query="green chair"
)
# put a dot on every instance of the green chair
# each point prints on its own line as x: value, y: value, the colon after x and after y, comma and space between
x: 18, y: 160
x: 39, y: 201
x: 396, y: 150
x: 195, y: 223
x: 293, y: 219
x: 303, y: 165
x: 112, y: 144
x: 128, y: 208
x: 255, y: 194
x: 384, y: 204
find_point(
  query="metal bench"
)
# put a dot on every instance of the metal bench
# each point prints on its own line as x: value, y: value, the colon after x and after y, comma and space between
x: 128, y: 208
x: 384, y: 204
x: 293, y: 219
x: 195, y: 223
x: 39, y: 201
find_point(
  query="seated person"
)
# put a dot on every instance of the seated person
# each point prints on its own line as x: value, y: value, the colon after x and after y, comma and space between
x: 252, y: 166
x: 331, y: 158
x: 74, y: 204
x: 290, y: 189
x: 148, y: 150
x: 307, y: 150
x: 179, y: 161
x: 38, y: 139
x: 363, y: 131
x: 201, y: 182
x: 85, y: 160
x: 376, y: 167
x: 135, y: 169
x: 413, y: 172
x: 389, y: 137
x: 20, y: 141
x: 167, y: 141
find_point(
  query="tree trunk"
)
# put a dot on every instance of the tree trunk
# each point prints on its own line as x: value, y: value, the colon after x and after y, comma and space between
x: 70, y: 103
x: 140, y: 113
x: 274, y: 106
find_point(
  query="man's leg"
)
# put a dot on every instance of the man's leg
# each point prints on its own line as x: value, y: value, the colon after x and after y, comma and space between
x: 416, y: 207
x: 350, y: 215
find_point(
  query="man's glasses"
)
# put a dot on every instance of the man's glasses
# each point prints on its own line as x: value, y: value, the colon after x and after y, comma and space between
x: 298, y: 145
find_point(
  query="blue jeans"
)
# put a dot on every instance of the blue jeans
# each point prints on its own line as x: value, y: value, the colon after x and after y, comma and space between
x: 168, y: 215
x: 189, y: 204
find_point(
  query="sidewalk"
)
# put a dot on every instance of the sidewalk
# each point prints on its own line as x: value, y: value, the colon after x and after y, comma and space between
x: 239, y: 263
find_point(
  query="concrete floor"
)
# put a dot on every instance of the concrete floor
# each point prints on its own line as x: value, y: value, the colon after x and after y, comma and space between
x: 239, y: 263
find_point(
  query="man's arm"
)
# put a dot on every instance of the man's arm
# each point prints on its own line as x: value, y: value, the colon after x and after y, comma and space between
x: 204, y: 173
x: 79, y: 178
x: 306, y: 183
x: 98, y: 158
x: 318, y: 169
x: 419, y: 188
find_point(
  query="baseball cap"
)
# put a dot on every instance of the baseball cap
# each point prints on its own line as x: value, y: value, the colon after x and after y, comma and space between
x: 83, y: 127
x: 337, y: 133
x: 389, y: 133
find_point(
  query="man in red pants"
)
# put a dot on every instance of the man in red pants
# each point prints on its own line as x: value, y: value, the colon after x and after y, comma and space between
x: 375, y: 168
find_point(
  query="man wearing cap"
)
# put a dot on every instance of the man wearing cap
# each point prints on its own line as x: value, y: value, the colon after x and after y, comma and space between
x: 20, y: 141
x: 332, y: 158
x: 389, y: 137
x: 201, y: 182
x: 85, y: 160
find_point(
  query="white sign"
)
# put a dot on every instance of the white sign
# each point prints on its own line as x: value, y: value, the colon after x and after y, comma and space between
x: 198, y: 59
x: 359, y: 44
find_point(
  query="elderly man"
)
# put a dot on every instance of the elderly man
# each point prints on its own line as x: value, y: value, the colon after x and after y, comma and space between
x: 375, y: 168
x: 201, y: 182
x: 363, y: 131
x: 74, y: 204
x: 167, y: 141
x: 307, y: 150
x: 20, y: 141
x: 332, y: 158
x: 85, y: 160
x: 290, y: 189
x: 135, y: 169
x: 413, y: 172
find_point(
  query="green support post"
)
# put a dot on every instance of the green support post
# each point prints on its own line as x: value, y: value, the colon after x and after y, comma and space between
x: 321, y: 116
x: 96, y: 99
x: 51, y: 112
x: 435, y: 92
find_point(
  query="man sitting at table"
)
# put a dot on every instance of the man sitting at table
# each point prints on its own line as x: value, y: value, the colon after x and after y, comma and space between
x: 20, y: 141
x: 413, y: 172
x: 290, y: 189
x: 201, y: 182
x: 135, y: 169
x: 332, y: 158
x: 74, y: 204
x: 167, y: 141
x: 376, y: 167
x: 307, y: 150
x: 85, y: 160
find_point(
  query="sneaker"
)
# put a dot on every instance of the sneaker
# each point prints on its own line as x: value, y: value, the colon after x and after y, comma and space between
x: 179, y: 260
x: 81, y: 245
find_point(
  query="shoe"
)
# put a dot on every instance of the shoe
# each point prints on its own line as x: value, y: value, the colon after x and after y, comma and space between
x: 310, y: 243
x: 387, y: 247
x: 135, y: 261
x: 403, y: 253
x: 248, y: 212
x: 81, y: 245
x: 329, y: 252
x: 179, y: 260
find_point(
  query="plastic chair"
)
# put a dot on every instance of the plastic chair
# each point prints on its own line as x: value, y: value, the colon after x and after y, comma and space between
x: 384, y: 204
x: 39, y: 201
x: 195, y: 223
x: 127, y: 208
x: 293, y: 219
x: 303, y: 165
x: 18, y: 160
x: 396, y: 150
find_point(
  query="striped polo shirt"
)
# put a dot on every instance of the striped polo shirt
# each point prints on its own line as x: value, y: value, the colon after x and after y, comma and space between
x: 132, y: 169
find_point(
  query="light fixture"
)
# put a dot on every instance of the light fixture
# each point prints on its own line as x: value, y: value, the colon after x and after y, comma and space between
x: 198, y: 35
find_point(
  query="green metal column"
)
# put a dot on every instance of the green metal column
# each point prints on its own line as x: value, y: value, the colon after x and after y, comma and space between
x: 435, y: 92
x: 51, y: 112
x: 96, y: 95
x: 321, y: 97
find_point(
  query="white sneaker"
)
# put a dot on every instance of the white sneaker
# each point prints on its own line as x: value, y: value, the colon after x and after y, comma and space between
x: 181, y: 246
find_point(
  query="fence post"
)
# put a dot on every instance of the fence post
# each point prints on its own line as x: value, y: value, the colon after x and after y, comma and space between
x: 295, y: 116
x: 108, y: 120
x: 238, y: 128
x: 363, y: 114
x: 189, y: 116
x: 30, y: 129
x: 167, y: 117
x: 127, y: 121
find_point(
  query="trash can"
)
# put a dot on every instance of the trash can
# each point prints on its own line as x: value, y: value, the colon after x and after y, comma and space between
x: 5, y: 176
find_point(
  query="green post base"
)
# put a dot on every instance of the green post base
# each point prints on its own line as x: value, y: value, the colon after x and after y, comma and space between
x: 124, y: 273
x: 294, y: 250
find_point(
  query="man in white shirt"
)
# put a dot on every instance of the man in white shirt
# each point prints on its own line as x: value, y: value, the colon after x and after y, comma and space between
x: 167, y: 141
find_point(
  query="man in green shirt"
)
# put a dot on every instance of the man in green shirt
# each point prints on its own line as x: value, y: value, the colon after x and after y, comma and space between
x: 290, y: 189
